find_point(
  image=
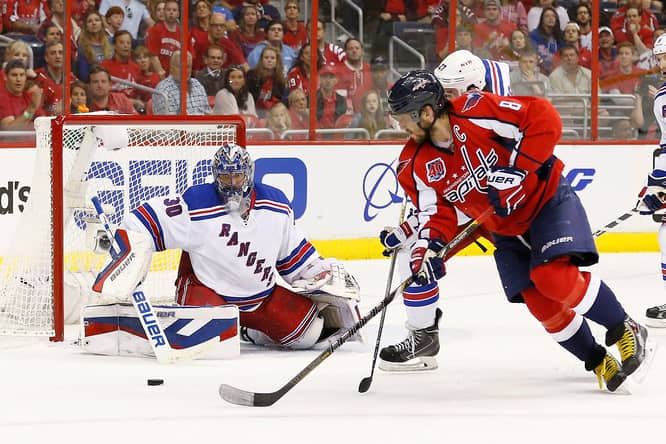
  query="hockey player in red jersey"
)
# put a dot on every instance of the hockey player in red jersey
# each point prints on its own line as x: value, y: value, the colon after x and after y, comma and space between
x: 482, y: 150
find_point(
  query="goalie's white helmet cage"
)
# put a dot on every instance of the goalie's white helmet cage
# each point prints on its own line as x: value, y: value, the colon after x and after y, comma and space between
x: 124, y: 161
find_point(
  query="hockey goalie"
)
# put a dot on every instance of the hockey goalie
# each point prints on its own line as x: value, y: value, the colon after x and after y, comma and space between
x: 237, y: 237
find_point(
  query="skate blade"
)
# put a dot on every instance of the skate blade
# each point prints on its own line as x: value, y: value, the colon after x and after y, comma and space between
x: 655, y: 323
x: 420, y: 364
x: 625, y: 389
x: 641, y: 372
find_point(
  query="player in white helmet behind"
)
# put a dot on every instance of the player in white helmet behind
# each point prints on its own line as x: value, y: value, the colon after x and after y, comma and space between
x: 461, y: 71
x: 651, y: 198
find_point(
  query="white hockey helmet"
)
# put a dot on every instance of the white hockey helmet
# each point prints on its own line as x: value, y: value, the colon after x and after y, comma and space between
x: 461, y: 70
x: 659, y: 45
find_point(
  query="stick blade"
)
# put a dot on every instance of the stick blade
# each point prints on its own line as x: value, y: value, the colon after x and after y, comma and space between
x: 238, y: 396
x: 364, y: 385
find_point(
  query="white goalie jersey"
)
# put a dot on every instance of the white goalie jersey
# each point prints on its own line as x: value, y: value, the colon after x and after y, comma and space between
x: 236, y: 258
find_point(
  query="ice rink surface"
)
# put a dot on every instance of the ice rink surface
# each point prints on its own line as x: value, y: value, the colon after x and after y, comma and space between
x: 501, y: 379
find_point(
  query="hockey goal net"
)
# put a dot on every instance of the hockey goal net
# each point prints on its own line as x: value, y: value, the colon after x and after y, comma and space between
x: 47, y: 272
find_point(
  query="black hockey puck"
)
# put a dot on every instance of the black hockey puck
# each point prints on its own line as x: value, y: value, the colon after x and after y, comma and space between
x: 155, y: 381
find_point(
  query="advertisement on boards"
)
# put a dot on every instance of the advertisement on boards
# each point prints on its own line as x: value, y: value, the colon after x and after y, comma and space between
x: 347, y: 191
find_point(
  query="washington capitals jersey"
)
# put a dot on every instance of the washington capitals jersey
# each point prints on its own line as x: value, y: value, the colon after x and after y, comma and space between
x: 235, y: 258
x: 497, y: 77
x: 487, y: 130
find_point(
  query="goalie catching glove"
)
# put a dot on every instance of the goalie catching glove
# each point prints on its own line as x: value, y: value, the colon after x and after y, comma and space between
x: 126, y: 267
x: 505, y: 189
x: 425, y: 263
x: 328, y: 276
x: 651, y: 197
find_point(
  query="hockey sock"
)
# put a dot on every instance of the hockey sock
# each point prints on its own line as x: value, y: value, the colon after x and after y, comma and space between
x: 587, y: 295
x: 421, y: 303
x: 606, y: 309
x: 566, y: 327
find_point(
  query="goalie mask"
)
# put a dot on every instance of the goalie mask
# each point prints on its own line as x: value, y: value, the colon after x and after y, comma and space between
x: 233, y: 170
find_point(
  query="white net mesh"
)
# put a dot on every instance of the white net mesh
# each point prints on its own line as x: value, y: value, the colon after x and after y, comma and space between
x: 155, y: 159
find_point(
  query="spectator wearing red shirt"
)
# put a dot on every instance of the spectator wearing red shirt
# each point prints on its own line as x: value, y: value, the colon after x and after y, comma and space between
x: 25, y: 16
x: 298, y: 110
x: 232, y: 54
x: 202, y: 14
x: 18, y: 105
x: 299, y: 74
x: 625, y: 76
x: 266, y: 82
x: 147, y: 77
x: 163, y: 38
x: 331, y: 53
x: 249, y: 33
x: 330, y: 104
x: 295, y: 34
x: 353, y: 73
x: 101, y: 96
x: 647, y: 21
x: 123, y: 67
x: 634, y: 31
x: 493, y: 35
x: 57, y: 17
x: 50, y: 78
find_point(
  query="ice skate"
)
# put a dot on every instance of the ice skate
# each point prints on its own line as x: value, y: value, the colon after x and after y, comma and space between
x: 636, y: 350
x: 416, y: 353
x: 656, y: 316
x: 610, y: 372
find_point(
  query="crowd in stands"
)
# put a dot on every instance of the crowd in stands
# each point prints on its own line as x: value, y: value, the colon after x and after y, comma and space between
x: 254, y: 58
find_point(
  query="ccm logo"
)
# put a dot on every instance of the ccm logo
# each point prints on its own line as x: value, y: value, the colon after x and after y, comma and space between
x: 579, y: 178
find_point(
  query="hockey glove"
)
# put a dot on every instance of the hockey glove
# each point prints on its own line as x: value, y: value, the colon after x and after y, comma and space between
x: 426, y: 266
x: 505, y: 189
x: 392, y: 238
x: 651, y: 198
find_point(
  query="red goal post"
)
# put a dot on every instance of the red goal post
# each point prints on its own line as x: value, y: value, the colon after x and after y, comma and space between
x: 47, y: 271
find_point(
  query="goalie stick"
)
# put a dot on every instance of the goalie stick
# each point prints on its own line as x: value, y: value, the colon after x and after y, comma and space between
x: 164, y: 353
x: 238, y: 396
x: 365, y: 383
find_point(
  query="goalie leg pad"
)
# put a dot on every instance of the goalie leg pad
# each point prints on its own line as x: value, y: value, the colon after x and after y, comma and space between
x: 115, y: 329
x: 339, y: 314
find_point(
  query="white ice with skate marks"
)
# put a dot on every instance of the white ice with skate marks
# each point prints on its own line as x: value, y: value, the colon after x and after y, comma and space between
x: 500, y: 379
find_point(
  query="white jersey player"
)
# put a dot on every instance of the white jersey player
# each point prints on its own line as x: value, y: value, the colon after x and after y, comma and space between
x: 236, y: 237
x: 652, y: 196
x: 458, y: 73
x: 462, y: 70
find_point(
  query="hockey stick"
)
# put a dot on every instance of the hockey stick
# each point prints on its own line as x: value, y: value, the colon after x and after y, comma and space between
x: 365, y: 383
x: 253, y: 399
x: 164, y: 353
x: 617, y: 221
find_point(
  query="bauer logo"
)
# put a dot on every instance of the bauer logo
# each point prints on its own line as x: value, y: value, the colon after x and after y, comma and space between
x: 13, y: 197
